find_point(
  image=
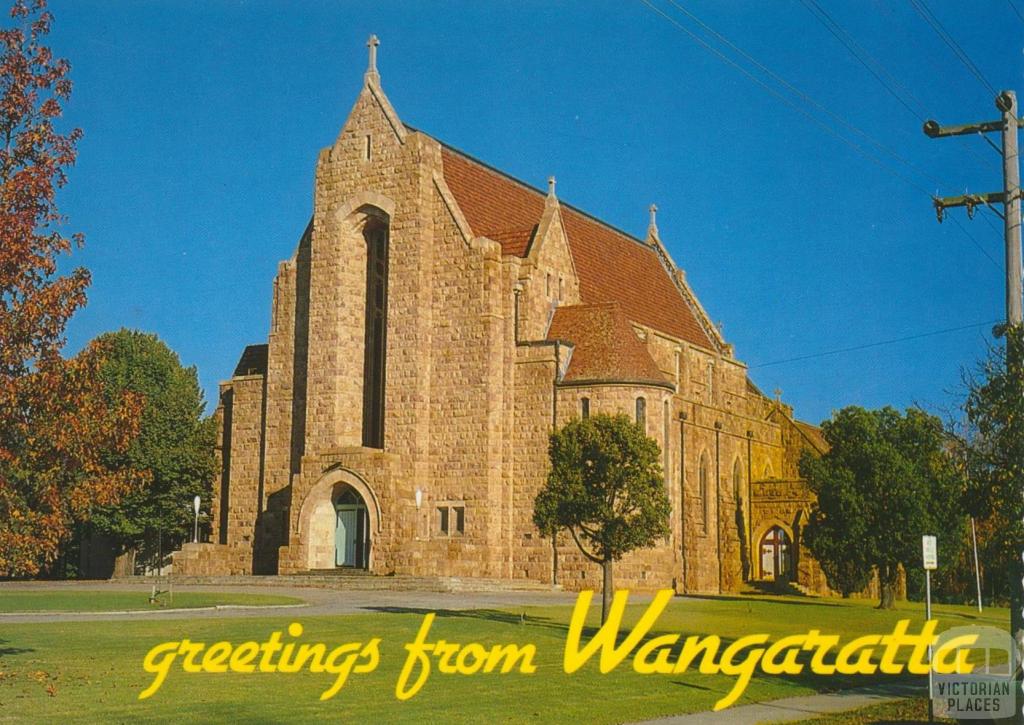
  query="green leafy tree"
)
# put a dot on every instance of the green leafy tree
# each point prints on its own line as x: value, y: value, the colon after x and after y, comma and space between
x: 886, y: 480
x: 994, y: 454
x: 606, y: 488
x: 832, y: 537
x: 175, y: 443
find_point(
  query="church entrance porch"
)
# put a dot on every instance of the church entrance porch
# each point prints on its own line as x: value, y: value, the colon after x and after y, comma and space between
x: 775, y: 551
x: 352, y: 531
x: 338, y: 526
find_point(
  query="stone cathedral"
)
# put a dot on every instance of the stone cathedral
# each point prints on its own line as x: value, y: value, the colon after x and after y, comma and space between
x: 436, y: 321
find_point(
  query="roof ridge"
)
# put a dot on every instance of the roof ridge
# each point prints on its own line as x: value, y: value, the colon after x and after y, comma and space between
x: 530, y: 187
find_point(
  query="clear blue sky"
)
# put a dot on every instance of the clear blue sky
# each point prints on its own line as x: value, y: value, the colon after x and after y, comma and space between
x: 203, y: 121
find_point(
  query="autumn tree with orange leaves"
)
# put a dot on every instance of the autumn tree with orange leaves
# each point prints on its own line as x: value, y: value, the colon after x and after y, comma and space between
x: 56, y: 426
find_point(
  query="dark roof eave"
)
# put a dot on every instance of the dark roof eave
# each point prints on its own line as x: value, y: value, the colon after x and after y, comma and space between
x: 589, y: 382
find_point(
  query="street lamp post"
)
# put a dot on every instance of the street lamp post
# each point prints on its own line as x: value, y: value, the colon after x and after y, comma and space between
x: 195, y: 506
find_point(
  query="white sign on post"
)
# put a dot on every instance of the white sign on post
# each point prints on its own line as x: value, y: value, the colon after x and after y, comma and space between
x: 930, y: 553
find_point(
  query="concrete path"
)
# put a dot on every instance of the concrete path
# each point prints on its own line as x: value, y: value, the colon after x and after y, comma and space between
x: 793, y: 709
x: 318, y: 601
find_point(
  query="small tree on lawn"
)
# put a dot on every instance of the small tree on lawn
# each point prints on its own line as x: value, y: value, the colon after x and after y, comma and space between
x: 886, y: 480
x: 606, y: 488
x: 175, y: 444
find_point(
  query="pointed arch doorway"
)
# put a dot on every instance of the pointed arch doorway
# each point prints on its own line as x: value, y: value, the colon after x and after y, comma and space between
x: 352, y: 530
x: 775, y: 550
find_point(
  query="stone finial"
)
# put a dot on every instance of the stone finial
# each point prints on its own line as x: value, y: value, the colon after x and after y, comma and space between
x: 551, y: 201
x: 652, y: 227
x: 371, y: 68
x: 778, y: 394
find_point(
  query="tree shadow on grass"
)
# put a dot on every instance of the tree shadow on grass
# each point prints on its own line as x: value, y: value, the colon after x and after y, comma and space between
x: 12, y: 650
x: 762, y: 598
x: 691, y: 685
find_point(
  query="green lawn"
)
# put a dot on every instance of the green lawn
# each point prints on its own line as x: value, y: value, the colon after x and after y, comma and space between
x: 110, y: 601
x: 91, y: 671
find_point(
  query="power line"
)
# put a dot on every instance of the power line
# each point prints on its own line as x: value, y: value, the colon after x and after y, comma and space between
x: 867, y: 60
x: 785, y: 99
x: 896, y: 88
x: 960, y: 53
x: 1015, y: 10
x: 879, y: 343
x: 975, y: 242
x: 788, y: 101
x: 786, y: 84
x: 989, y: 141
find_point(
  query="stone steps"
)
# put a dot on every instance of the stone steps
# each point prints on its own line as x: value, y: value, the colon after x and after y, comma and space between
x: 789, y: 588
x: 341, y: 571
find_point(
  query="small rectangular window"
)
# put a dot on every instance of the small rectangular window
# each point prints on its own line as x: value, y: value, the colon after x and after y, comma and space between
x: 561, y: 289
x: 368, y: 150
x: 585, y: 408
x: 451, y: 519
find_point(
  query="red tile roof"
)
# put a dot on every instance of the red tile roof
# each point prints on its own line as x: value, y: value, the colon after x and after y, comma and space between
x: 495, y: 206
x: 814, y: 434
x: 605, y: 346
x: 612, y: 266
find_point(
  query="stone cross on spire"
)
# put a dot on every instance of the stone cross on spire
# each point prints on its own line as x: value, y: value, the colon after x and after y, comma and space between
x: 551, y: 201
x: 652, y: 227
x: 371, y: 69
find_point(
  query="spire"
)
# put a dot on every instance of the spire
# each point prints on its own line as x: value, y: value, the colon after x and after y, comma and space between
x: 371, y: 68
x: 552, y: 199
x: 652, y: 227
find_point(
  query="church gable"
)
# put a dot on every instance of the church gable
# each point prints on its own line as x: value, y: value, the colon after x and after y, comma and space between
x: 370, y: 132
x: 372, y: 115
x: 548, y: 275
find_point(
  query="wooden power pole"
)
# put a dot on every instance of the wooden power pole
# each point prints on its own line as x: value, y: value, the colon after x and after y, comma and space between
x: 1009, y: 197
